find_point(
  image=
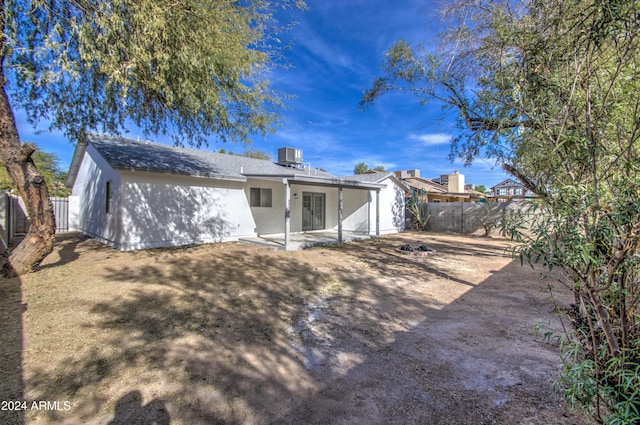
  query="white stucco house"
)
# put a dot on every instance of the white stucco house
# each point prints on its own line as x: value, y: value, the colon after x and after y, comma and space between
x: 137, y: 194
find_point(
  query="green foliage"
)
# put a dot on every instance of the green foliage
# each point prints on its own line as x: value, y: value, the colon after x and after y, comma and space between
x: 481, y: 188
x: 190, y: 69
x: 258, y: 154
x: 48, y: 165
x: 595, y: 252
x: 550, y: 90
x: 360, y: 168
x: 585, y: 384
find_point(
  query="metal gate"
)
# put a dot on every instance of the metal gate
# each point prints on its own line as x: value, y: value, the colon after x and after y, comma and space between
x: 61, y: 212
x: 17, y: 220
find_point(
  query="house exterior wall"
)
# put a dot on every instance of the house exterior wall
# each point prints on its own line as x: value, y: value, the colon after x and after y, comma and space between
x: 359, y: 209
x: 331, y: 206
x: 154, y: 209
x: 268, y: 220
x: 74, y: 213
x: 168, y: 210
x: 90, y: 188
x: 356, y: 208
x: 392, y: 209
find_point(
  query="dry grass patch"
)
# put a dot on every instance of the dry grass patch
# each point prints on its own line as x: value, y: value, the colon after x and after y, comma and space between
x: 238, y: 334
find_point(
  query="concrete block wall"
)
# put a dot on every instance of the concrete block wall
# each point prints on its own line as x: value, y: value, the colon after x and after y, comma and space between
x: 468, y: 217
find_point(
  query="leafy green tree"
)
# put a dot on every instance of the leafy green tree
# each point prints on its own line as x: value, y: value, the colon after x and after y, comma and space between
x: 258, y: 154
x: 481, y: 188
x: 360, y: 168
x: 49, y: 165
x: 189, y: 68
x: 549, y: 89
x: 379, y: 169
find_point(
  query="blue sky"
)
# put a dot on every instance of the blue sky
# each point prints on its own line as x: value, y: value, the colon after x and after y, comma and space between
x: 337, y: 53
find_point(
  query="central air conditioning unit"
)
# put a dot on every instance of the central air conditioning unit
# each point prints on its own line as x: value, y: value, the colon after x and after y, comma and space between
x: 407, y: 174
x: 289, y: 156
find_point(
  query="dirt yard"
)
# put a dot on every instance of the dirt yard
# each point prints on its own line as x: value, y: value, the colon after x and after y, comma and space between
x: 237, y: 334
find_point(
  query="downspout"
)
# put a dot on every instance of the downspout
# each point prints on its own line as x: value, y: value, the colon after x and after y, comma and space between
x: 340, y: 214
x: 287, y: 214
x: 377, y: 212
x: 369, y: 201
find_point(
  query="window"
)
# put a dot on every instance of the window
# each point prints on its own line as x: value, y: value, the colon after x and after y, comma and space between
x: 260, y: 197
x: 502, y: 191
x: 517, y: 191
x: 109, y: 197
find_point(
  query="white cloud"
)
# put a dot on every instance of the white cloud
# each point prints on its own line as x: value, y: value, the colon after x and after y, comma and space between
x: 431, y: 139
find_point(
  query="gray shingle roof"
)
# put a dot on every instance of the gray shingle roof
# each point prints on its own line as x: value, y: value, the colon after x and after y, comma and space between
x: 369, y: 177
x: 132, y: 154
x: 378, y: 178
x: 420, y: 183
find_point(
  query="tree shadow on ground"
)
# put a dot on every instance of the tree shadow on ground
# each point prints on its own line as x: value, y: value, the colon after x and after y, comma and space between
x: 68, y: 248
x: 258, y: 338
x: 220, y: 332
x: 11, y: 332
x: 129, y: 410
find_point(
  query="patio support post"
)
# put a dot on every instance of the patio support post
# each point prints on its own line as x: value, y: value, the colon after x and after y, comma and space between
x: 377, y: 212
x: 287, y: 214
x: 340, y: 214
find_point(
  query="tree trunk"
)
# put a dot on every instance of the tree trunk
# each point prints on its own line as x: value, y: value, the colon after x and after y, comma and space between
x: 16, y: 157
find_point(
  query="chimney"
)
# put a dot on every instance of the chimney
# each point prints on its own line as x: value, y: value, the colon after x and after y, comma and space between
x: 456, y: 182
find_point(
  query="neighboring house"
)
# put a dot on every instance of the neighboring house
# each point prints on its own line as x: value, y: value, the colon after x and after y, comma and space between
x: 430, y: 191
x: 137, y: 194
x: 509, y: 190
x: 475, y: 195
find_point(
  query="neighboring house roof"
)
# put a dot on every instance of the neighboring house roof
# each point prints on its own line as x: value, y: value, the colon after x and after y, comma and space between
x: 474, y: 192
x: 427, y: 185
x: 128, y: 154
x: 508, y: 183
x: 511, y: 184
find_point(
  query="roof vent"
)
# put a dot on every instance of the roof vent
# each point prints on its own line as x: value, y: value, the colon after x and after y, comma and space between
x: 289, y: 156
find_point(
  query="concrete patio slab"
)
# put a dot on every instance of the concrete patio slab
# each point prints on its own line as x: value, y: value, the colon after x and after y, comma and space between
x: 304, y: 240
